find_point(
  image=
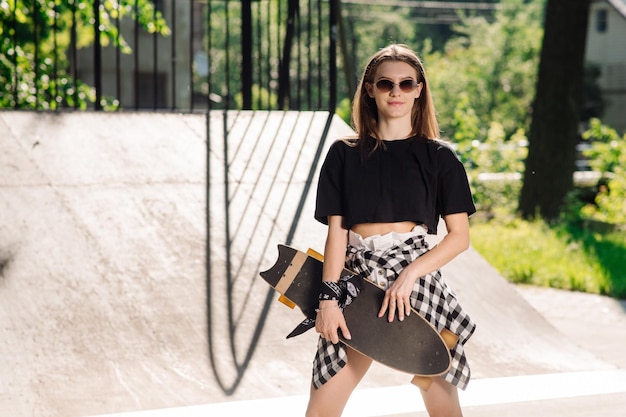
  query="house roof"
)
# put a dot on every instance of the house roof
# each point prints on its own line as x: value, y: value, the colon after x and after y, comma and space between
x: 619, y: 5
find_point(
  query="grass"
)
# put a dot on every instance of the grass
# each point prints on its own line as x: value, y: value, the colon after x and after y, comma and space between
x: 565, y: 257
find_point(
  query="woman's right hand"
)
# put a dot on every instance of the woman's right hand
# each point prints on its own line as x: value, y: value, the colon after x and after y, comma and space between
x: 329, y: 319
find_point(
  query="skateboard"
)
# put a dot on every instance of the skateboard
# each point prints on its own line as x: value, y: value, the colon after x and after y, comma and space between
x: 413, y: 346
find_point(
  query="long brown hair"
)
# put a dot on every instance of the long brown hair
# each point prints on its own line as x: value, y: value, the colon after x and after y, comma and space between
x: 364, y: 110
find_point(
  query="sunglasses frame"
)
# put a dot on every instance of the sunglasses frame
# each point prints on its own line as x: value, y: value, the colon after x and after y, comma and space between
x: 406, y: 86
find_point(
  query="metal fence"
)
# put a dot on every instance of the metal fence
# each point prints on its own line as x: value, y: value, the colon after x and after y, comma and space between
x: 231, y: 54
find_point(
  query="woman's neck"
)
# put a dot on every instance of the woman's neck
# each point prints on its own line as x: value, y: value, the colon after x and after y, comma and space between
x: 392, y: 131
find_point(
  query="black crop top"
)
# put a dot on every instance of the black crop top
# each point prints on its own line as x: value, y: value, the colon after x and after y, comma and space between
x: 413, y: 179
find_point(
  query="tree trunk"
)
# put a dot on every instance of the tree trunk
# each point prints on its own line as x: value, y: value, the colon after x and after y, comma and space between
x: 553, y: 137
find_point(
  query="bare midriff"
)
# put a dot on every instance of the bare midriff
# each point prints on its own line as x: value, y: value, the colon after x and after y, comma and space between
x: 370, y: 229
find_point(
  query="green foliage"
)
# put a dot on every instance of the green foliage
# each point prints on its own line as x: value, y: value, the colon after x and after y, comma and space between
x: 465, y: 121
x: 486, y: 71
x: 580, y: 252
x: 483, y: 85
x: 34, y: 36
x: 494, y: 167
x: 608, y: 150
x: 344, y: 110
x: 262, y: 99
x: 489, y: 70
x: 608, y: 156
x: 225, y: 50
x: 493, y: 197
x: 557, y: 256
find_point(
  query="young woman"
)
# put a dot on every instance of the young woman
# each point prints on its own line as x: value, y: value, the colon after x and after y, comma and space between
x: 380, y: 194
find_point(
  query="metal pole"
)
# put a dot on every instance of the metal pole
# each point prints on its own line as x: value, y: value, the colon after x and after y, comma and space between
x: 36, y: 57
x: 246, y: 53
x: 332, y: 56
x: 97, y: 59
x: 173, y: 46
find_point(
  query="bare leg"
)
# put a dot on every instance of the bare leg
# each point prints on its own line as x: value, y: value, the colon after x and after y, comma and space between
x: 330, y: 399
x: 442, y: 399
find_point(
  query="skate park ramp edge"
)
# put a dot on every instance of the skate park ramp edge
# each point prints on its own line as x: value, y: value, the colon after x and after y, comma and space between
x: 130, y: 247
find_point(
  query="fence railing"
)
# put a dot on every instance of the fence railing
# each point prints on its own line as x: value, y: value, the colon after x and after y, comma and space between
x: 246, y: 54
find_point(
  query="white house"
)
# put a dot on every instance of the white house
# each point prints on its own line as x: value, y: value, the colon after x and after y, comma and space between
x: 606, y: 47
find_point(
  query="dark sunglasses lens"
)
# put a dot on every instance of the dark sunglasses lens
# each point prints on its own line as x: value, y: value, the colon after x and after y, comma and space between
x: 408, y: 85
x: 384, y: 86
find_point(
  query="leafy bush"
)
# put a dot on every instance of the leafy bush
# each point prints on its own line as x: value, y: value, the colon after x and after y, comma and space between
x: 608, y: 156
x: 494, y: 167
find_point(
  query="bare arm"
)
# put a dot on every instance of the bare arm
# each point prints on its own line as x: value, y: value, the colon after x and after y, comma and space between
x: 329, y: 317
x: 335, y: 249
x: 397, y: 297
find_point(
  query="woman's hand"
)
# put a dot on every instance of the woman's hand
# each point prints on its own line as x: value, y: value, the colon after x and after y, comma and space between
x: 398, y: 297
x: 329, y: 319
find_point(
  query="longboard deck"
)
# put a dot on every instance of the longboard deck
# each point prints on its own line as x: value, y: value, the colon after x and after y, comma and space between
x: 413, y: 345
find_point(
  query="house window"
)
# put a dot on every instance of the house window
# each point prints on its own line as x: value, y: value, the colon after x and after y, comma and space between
x: 602, y: 22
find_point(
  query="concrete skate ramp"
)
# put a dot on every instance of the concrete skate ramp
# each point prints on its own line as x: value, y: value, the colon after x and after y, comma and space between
x: 130, y: 246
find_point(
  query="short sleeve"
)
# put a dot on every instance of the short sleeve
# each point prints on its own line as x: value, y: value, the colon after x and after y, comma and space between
x: 453, y: 194
x: 329, y: 201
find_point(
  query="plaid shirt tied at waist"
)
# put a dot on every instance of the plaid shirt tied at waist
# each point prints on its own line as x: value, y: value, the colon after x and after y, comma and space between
x: 431, y: 298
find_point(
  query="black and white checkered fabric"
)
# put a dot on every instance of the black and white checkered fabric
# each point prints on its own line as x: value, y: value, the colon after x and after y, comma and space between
x: 431, y: 297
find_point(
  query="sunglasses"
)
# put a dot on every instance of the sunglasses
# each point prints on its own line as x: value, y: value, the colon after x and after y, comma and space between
x: 407, y: 86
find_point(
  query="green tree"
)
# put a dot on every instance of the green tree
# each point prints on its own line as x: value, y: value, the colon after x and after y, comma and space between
x: 37, y: 35
x: 488, y: 70
x: 554, y: 131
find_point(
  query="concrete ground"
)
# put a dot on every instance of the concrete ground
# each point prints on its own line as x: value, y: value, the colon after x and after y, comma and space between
x: 128, y: 289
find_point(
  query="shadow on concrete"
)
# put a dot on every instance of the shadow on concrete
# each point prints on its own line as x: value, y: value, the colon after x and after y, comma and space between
x: 279, y: 143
